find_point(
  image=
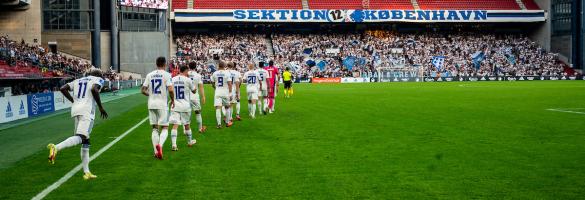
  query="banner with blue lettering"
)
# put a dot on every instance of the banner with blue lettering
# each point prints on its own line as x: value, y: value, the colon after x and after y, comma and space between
x: 358, y: 16
x: 40, y: 103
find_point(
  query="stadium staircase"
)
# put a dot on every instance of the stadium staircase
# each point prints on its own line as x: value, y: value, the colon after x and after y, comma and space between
x: 415, y: 4
x: 190, y: 4
x: 305, y: 4
x: 269, y: 46
x: 521, y: 4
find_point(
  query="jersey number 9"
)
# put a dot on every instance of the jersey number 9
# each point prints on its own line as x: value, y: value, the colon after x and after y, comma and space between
x: 219, y: 81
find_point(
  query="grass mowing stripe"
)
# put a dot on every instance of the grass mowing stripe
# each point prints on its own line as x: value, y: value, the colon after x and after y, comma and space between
x: 67, y: 176
x: 566, y: 111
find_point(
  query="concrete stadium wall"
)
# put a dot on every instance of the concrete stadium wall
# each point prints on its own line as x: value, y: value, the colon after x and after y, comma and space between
x: 22, y: 24
x: 543, y: 35
x: 74, y: 43
x: 105, y: 50
x: 139, y: 50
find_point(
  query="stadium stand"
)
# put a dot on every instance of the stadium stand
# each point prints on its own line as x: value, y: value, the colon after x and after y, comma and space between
x: 391, y: 4
x: 328, y: 4
x: 247, y: 4
x: 530, y: 5
x: 179, y: 4
x: 469, y: 4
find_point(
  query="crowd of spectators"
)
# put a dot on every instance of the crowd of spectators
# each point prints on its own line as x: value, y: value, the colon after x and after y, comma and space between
x: 363, y: 54
x: 201, y: 49
x: 157, y: 4
x: 34, y: 55
x: 500, y: 54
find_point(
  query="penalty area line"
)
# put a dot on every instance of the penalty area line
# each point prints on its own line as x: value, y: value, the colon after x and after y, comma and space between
x: 567, y: 111
x: 70, y: 174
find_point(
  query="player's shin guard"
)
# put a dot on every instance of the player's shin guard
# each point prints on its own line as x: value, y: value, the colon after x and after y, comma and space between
x: 253, y: 110
x: 155, y: 139
x: 199, y: 120
x: 69, y: 142
x: 85, y: 157
x: 164, y: 133
x: 228, y: 115
x: 218, y: 116
x: 174, y: 137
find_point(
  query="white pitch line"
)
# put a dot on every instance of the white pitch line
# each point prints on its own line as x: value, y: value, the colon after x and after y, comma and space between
x: 566, y: 111
x: 67, y: 176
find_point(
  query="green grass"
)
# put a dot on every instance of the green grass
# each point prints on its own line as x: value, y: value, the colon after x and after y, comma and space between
x: 486, y: 140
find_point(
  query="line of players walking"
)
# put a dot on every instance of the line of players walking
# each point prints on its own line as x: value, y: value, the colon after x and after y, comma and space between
x: 186, y: 94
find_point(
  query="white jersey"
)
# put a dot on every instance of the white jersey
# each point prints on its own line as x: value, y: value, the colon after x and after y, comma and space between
x: 183, y: 91
x: 252, y: 79
x: 220, y: 79
x: 158, y: 82
x: 197, y: 79
x: 235, y: 79
x: 83, y: 103
x: 263, y: 75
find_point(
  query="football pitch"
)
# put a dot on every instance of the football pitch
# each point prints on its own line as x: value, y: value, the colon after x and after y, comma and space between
x: 464, y: 140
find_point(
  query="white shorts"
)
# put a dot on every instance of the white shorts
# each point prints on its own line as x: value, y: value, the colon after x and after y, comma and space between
x: 196, y: 105
x: 234, y: 99
x: 180, y: 118
x: 264, y: 92
x: 220, y: 101
x: 158, y: 117
x: 83, y: 125
x: 252, y: 95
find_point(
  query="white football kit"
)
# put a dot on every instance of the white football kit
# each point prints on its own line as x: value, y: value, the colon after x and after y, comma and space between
x: 252, y: 79
x: 235, y: 78
x: 157, y: 83
x: 195, y: 100
x: 220, y: 79
x: 181, y: 113
x: 83, y: 107
x: 263, y: 75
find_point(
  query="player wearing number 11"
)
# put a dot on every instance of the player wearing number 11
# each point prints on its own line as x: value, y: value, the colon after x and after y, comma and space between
x: 158, y: 87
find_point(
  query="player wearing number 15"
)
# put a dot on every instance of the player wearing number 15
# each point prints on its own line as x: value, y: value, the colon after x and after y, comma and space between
x: 158, y: 87
x: 86, y: 94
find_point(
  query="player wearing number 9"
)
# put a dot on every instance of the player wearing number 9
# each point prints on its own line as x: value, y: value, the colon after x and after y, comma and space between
x: 159, y: 88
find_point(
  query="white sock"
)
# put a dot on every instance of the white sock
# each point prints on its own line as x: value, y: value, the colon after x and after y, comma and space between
x: 199, y: 120
x: 174, y: 137
x: 274, y: 104
x: 85, y: 159
x: 259, y: 103
x: 189, y: 135
x: 223, y: 111
x: 218, y: 116
x: 253, y: 110
x: 265, y: 104
x: 163, y: 137
x: 69, y: 142
x: 155, y: 139
x: 238, y: 109
x: 228, y: 115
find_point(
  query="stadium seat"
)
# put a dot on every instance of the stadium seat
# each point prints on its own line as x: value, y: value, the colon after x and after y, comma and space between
x: 391, y: 4
x: 469, y: 4
x: 248, y: 4
x: 329, y: 4
x: 530, y: 5
x: 179, y: 4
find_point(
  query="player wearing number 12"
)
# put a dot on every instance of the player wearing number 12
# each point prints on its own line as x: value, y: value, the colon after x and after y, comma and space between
x: 158, y: 87
x: 181, y: 113
x: 86, y: 94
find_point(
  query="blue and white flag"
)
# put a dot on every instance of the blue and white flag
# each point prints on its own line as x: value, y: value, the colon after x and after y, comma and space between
x: 438, y: 62
x: 349, y: 62
x: 477, y: 57
x: 321, y: 64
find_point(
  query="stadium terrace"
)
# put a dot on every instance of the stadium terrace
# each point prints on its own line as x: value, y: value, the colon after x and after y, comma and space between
x: 360, y: 15
x: 323, y: 15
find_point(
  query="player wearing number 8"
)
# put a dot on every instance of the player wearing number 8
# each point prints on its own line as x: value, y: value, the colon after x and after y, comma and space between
x: 158, y: 87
